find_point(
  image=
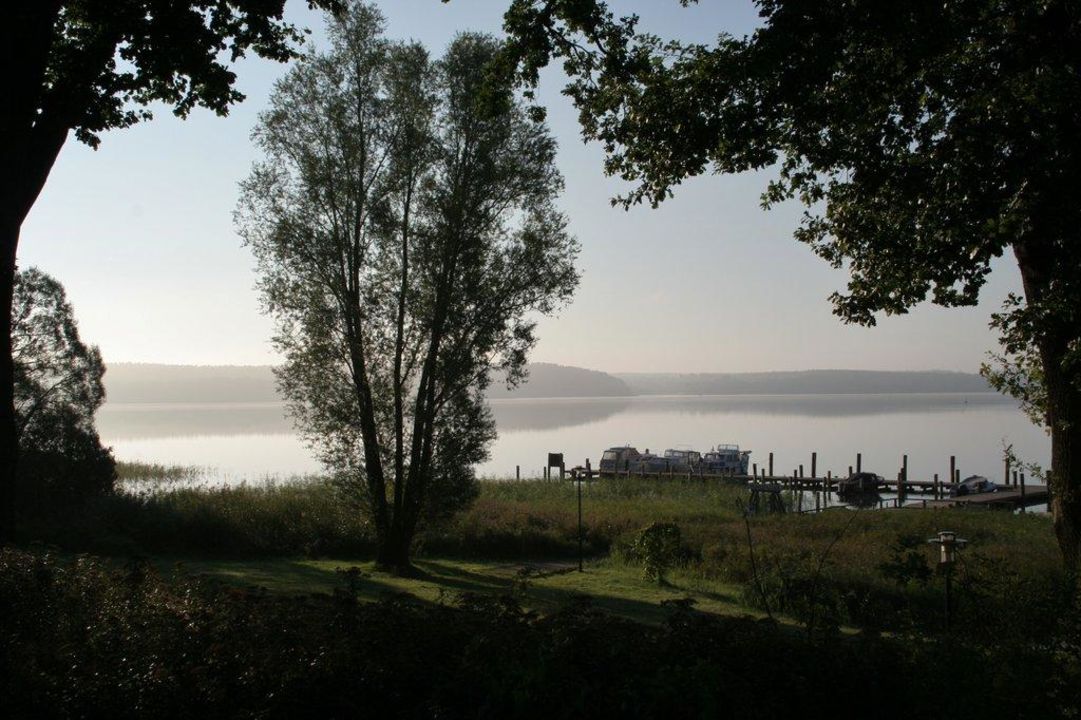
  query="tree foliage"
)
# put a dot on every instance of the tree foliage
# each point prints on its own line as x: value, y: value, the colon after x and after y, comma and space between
x: 58, y: 388
x: 89, y: 66
x: 925, y: 139
x: 406, y: 243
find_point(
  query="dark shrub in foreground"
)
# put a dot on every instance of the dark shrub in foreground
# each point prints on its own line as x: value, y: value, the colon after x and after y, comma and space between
x: 83, y: 640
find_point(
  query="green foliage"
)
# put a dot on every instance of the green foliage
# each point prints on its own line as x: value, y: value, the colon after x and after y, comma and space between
x: 657, y: 548
x: 82, y: 637
x: 875, y: 577
x: 924, y: 139
x: 406, y: 244
x: 907, y: 563
x: 100, y: 64
x: 1018, y: 370
x: 58, y: 388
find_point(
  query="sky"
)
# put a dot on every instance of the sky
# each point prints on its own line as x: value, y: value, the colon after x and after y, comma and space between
x: 140, y: 232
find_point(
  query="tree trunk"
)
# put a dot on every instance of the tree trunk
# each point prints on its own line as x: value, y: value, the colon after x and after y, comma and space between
x: 9, y: 439
x: 1064, y: 402
x: 394, y: 550
x: 1054, y: 335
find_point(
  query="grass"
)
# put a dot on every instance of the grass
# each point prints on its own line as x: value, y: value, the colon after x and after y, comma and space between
x: 612, y: 586
x: 292, y: 537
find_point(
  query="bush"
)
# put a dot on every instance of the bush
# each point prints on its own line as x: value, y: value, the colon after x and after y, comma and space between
x: 657, y: 547
x: 62, y: 463
x: 87, y: 639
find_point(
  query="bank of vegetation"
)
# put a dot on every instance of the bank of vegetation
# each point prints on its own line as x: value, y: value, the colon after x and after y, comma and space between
x: 866, y: 569
x: 152, y: 599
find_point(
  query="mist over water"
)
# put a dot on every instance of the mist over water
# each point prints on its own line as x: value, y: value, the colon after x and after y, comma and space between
x: 250, y: 442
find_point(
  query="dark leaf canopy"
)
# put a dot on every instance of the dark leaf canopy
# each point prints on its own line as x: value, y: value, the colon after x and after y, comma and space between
x: 93, y: 65
x: 925, y: 138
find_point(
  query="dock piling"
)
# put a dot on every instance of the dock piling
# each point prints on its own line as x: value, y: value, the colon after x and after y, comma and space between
x: 902, y: 488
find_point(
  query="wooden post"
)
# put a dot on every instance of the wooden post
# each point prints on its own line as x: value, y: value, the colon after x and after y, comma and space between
x: 829, y: 480
x: 953, y: 465
x: 957, y: 476
x: 1022, y: 492
x: 904, y: 478
x: 850, y: 471
x: 771, y: 464
x: 755, y: 466
x: 814, y: 465
x: 1006, y: 479
x: 859, y: 462
x: 580, y: 523
x: 1015, y: 477
x: 517, y: 472
x: 935, y: 491
x: 562, y: 468
x: 801, y: 471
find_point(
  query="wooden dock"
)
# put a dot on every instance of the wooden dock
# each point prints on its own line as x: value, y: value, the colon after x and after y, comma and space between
x: 1009, y: 497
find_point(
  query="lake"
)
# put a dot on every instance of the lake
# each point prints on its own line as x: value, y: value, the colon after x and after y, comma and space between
x: 252, y: 442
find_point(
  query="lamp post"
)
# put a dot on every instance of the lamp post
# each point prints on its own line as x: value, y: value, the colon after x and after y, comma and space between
x: 949, y: 545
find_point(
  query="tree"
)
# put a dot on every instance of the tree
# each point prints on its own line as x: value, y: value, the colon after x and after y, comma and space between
x: 405, y: 241
x: 924, y: 138
x: 87, y: 66
x: 58, y: 388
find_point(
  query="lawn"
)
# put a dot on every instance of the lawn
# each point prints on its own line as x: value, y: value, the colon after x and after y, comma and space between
x: 615, y: 587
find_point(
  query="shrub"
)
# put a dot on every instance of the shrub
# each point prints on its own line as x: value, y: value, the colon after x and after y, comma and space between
x: 88, y: 639
x: 658, y: 548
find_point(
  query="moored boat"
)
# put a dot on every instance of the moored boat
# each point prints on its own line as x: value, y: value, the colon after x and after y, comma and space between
x: 726, y: 459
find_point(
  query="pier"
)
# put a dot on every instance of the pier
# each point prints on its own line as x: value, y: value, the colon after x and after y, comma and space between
x: 910, y: 494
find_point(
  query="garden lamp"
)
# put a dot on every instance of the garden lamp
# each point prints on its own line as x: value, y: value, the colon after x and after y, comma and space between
x: 948, y: 544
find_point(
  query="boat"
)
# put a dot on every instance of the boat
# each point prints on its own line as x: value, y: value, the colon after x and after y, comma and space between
x: 859, y: 483
x: 619, y: 459
x: 682, y: 461
x: 972, y: 485
x: 726, y: 459
x: 722, y: 459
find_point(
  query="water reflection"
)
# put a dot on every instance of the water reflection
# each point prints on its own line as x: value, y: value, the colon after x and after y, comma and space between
x: 130, y: 421
x: 118, y: 421
x: 555, y: 413
x: 255, y: 440
x: 820, y: 405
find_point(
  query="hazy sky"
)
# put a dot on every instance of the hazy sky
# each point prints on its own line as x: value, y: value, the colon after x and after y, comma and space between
x: 140, y: 232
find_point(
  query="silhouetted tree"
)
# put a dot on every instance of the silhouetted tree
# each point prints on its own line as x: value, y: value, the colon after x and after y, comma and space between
x: 87, y: 66
x: 406, y: 242
x: 925, y: 139
x: 58, y: 388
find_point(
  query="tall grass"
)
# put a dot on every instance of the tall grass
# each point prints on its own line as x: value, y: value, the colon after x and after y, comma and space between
x: 1010, y: 560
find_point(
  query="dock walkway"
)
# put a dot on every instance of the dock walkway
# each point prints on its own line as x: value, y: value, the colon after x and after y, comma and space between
x: 1007, y: 497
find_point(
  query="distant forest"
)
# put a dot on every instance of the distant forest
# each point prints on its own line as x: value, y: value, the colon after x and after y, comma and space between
x: 806, y: 382
x: 146, y: 383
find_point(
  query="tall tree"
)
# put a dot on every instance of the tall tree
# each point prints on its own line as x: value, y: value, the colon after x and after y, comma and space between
x: 87, y: 66
x: 406, y: 241
x: 925, y: 139
x: 58, y: 388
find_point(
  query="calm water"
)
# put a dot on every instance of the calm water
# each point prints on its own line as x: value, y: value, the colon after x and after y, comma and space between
x: 252, y: 442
